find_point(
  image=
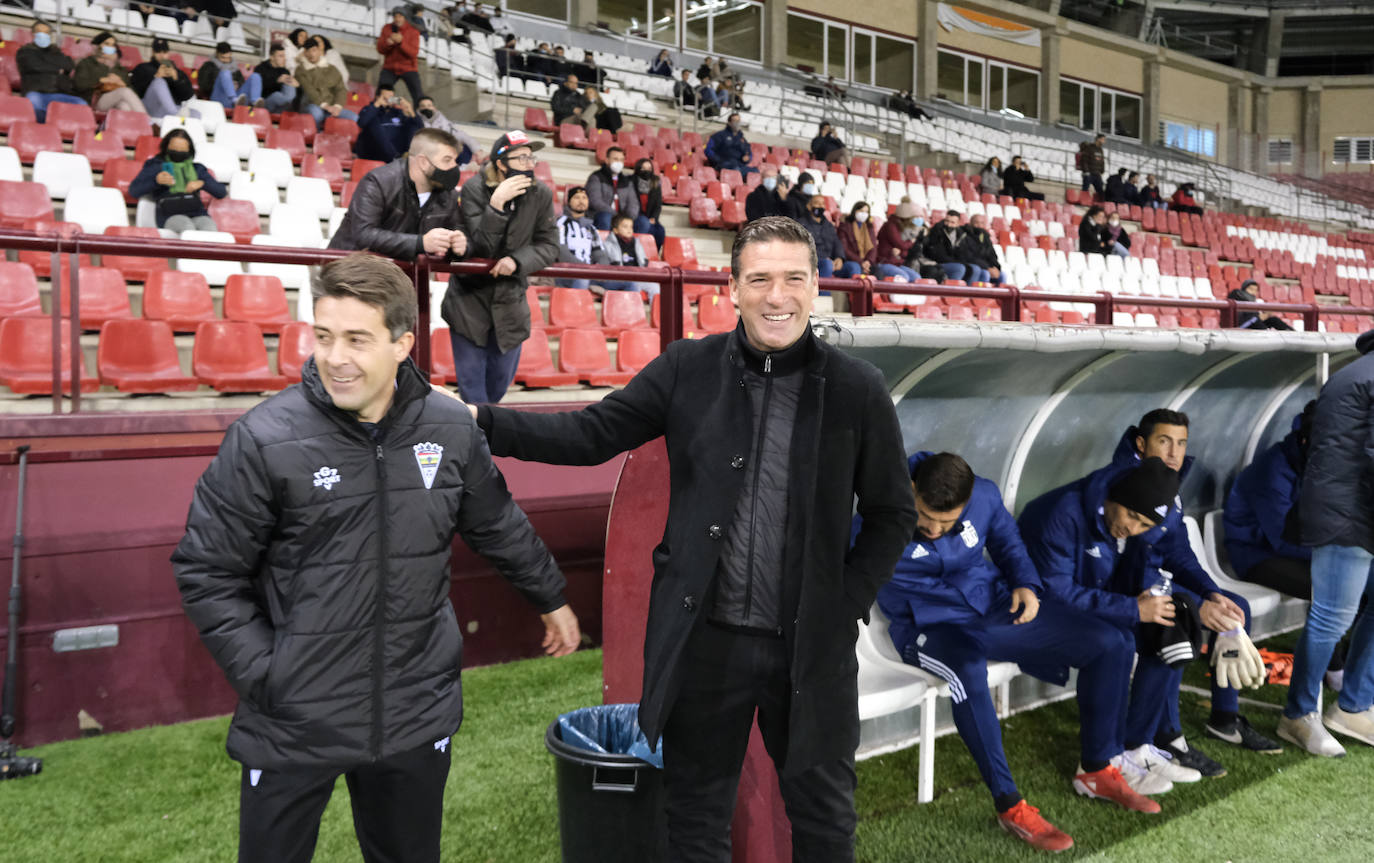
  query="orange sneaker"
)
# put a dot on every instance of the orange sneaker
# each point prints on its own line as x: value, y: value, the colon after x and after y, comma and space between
x: 1109, y: 784
x: 1024, y: 822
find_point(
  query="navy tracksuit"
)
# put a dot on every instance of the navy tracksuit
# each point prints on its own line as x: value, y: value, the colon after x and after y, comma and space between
x: 948, y: 608
x: 1258, y: 507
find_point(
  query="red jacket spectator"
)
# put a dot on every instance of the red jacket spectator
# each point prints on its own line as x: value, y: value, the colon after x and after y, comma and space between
x: 851, y: 242
x: 891, y: 248
x: 401, y: 57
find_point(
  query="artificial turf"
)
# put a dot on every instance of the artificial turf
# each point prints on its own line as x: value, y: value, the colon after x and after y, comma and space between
x: 171, y: 794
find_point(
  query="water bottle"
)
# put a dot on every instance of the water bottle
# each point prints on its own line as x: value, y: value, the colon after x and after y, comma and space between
x: 1164, y: 586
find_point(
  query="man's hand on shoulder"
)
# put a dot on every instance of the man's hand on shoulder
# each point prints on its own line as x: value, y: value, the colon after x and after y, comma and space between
x: 561, y: 632
x: 440, y: 388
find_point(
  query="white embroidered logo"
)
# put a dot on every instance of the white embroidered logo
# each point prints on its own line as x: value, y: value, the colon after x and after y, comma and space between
x: 1094, y: 551
x: 969, y: 535
x: 326, y: 476
x: 441, y: 745
x: 428, y: 456
x: 253, y: 776
x: 920, y: 552
x: 1162, y: 510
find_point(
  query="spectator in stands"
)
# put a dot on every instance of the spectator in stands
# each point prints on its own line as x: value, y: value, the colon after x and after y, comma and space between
x: 323, y: 91
x: 611, y: 190
x: 833, y: 88
x: 415, y: 14
x: 1149, y: 195
x: 683, y: 92
x: 480, y: 19
x: 567, y: 103
x: 827, y: 148
x: 829, y: 249
x: 625, y: 251
x: 279, y: 86
x: 662, y: 65
x: 45, y: 73
x: 219, y: 79
x: 965, y: 593
x: 1183, y: 200
x: 386, y: 126
x: 728, y: 149
x: 508, y: 212
x: 978, y: 252
x: 1092, y: 162
x: 509, y: 59
x: 100, y: 80
x: 944, y: 247
x: 708, y: 103
x: 898, y: 240
x: 538, y: 63
x: 649, y: 192
x: 769, y: 197
x: 1015, y: 178
x: 1092, y: 234
x: 709, y: 68
x: 294, y: 45
x: 579, y: 242
x: 174, y: 181
x: 159, y: 83
x: 399, y: 45
x: 725, y: 96
x: 1248, y: 292
x: 1133, y: 188
x: 599, y: 113
x: 431, y: 117
x: 335, y: 59
x: 990, y: 178
x: 218, y: 12
x: 860, y: 241
x: 1117, y: 191
x: 409, y: 206
x: 799, y: 197
x: 902, y: 103
x: 451, y: 19
x: 560, y: 67
x: 1116, y: 234
x: 587, y: 70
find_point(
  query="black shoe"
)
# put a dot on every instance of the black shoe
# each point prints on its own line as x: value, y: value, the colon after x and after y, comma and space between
x: 1239, y: 732
x: 1189, y: 757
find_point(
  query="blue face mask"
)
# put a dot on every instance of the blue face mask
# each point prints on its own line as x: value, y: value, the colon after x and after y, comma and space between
x: 918, y: 221
x: 808, y: 189
x: 108, y: 49
x: 770, y: 183
x: 42, y: 40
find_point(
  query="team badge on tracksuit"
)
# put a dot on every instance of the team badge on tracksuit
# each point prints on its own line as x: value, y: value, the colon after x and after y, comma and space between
x: 428, y: 456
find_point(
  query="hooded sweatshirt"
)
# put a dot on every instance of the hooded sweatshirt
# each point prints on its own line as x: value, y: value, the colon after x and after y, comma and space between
x: 1261, y: 504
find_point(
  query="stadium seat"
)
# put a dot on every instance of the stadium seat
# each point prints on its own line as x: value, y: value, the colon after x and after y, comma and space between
x: 297, y: 343
x: 635, y: 349
x: 583, y: 352
x: 732, y: 214
x: 243, y: 140
x: 703, y: 213
x: 346, y: 193
x: 23, y: 203
x: 216, y: 272
x: 259, y: 118
x: 290, y: 121
x: 716, y: 313
x: 336, y: 146
x: 296, y: 225
x: 220, y: 160
x: 134, y: 268
x: 442, y: 368
x: 237, y: 217
x: 10, y: 169
x: 181, y: 299
x: 231, y: 357
x: 98, y: 147
x: 190, y: 125
x: 29, y: 139
x: 572, y: 307
x: 572, y: 135
x: 61, y: 172
x: 342, y: 126
x: 535, y: 368
x: 140, y: 356
x: 681, y: 252
x: 259, y: 300
x: 146, y: 147
x: 273, y: 164
x: 126, y: 126
x: 102, y: 296
x: 291, y: 275
x: 212, y: 116
x: 118, y: 174
x: 288, y: 140
x: 311, y: 193
x: 538, y: 120
x: 70, y: 119
x: 95, y: 208
x: 361, y: 167
x: 324, y: 167
x: 26, y: 357
x: 18, y: 291
x: 15, y: 109
x: 622, y: 310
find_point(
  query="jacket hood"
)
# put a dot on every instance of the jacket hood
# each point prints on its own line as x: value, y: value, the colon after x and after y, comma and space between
x: 914, y: 460
x: 1365, y: 342
x: 411, y: 386
x: 302, y: 60
x: 1126, y: 455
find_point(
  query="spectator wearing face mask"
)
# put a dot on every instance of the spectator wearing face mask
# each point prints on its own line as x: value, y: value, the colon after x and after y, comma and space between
x: 728, y: 149
x: 829, y: 249
x: 649, y: 191
x: 1116, y: 234
x: 769, y: 197
x: 943, y: 246
x: 45, y: 73
x: 174, y: 181
x: 799, y: 197
x: 827, y: 147
x: 161, y: 85
x: 434, y: 119
x: 860, y: 241
x: 100, y: 80
x: 611, y: 191
x: 978, y: 252
x: 898, y: 237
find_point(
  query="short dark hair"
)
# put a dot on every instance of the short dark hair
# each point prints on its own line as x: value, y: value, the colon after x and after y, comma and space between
x: 275, y: 47
x: 620, y: 217
x: 767, y: 229
x: 176, y: 133
x: 373, y: 280
x: 614, y: 149
x: 1093, y: 211
x: 1160, y: 416
x: 429, y: 137
x: 224, y: 48
x: 944, y: 481
x: 954, y: 213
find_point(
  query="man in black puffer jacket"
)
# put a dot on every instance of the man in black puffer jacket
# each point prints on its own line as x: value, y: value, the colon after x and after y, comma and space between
x: 315, y: 566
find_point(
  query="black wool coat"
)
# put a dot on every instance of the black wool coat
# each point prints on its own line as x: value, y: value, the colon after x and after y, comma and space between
x: 1336, y: 505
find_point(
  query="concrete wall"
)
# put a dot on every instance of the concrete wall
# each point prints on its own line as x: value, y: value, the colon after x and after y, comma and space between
x: 1103, y: 66
x: 896, y: 16
x: 1285, y: 113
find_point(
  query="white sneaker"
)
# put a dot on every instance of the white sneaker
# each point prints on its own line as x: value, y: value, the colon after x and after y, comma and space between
x: 1141, y: 779
x: 1156, y: 760
x: 1307, y: 732
x: 1357, y: 725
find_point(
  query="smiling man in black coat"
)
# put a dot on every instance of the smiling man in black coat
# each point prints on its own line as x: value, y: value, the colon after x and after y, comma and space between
x: 771, y: 435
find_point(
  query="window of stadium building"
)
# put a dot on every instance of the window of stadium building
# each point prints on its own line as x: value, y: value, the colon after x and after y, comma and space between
x: 881, y: 61
x: 1343, y: 150
x: 817, y: 45
x: 981, y: 83
x: 730, y: 27
x: 1185, y: 136
x: 556, y: 9
x: 1098, y: 109
x: 655, y: 20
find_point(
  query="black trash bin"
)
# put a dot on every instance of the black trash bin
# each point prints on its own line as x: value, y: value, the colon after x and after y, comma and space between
x: 610, y: 803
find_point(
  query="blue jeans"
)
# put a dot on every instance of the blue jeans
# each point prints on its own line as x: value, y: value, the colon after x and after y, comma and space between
x: 484, y: 373
x: 954, y: 272
x: 890, y: 271
x: 41, y: 101
x: 649, y: 288
x: 226, y: 94
x: 281, y: 99
x: 826, y: 268
x: 1340, y: 576
x: 1120, y: 250
x: 1094, y: 180
x: 158, y: 99
x: 319, y: 114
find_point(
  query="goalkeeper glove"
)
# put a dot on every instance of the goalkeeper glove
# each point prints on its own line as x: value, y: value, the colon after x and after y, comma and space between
x: 1235, y: 661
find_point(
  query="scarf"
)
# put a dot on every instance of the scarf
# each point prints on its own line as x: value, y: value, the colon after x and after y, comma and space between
x: 862, y: 239
x: 183, y: 173
x: 644, y: 187
x: 909, y: 229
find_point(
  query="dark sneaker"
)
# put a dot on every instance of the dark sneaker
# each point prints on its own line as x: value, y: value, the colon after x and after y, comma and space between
x: 1239, y: 732
x: 1194, y: 758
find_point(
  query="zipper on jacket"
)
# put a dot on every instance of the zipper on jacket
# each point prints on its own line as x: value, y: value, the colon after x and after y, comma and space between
x: 754, y: 500
x: 379, y: 614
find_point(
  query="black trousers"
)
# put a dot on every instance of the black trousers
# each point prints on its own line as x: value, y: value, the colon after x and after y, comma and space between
x: 728, y: 678
x: 412, y: 79
x: 398, y: 807
x: 1286, y: 575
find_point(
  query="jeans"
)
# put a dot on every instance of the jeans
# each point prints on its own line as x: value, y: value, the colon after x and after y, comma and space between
x: 158, y: 99
x: 955, y: 272
x: 41, y: 101
x: 644, y: 226
x: 484, y: 373
x: 227, y: 95
x: 412, y: 79
x: 319, y: 114
x: 848, y: 270
x: 650, y: 288
x: 1094, y: 180
x: 280, y: 100
x: 1120, y: 250
x: 892, y: 271
x: 1341, y: 575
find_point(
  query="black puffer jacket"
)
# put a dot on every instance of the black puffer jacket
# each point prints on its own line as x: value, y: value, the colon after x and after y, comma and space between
x: 1337, y: 501
x: 316, y: 568
x: 385, y: 215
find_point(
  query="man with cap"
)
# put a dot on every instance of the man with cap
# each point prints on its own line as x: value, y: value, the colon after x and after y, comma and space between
x: 218, y: 80
x: 159, y: 83
x: 1248, y: 292
x: 769, y: 197
x: 951, y: 609
x: 509, y: 215
x: 399, y: 45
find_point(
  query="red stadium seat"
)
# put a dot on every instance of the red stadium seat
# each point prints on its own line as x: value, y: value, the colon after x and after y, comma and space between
x: 293, y: 122
x: 716, y: 313
x: 286, y: 139
x: 140, y: 356
x: 237, y: 217
x: 538, y: 120
x: 536, y: 368
x: 18, y: 291
x: 30, y: 139
x: 42, y: 261
x: 98, y: 147
x: 326, y: 168
x: 731, y: 177
x: 583, y: 352
x: 361, y: 167
x: 732, y: 214
x: 127, y: 126
x: 681, y: 252
x: 346, y: 193
x: 259, y: 118
x: 623, y: 310
x: 258, y: 299
x: 9, y: 72
x: 342, y: 126
x: 15, y: 109
x: 574, y: 136
x: 572, y: 307
x: 26, y: 357
x: 297, y: 343
x: 718, y: 192
x: 688, y: 189
x: 703, y: 213
x: 334, y: 146
x: 70, y: 119
x: 103, y: 296
x: 650, y: 246
x: 635, y: 349
x: 146, y: 147
x: 181, y: 299
x: 118, y: 173
x: 442, y: 368
x: 134, y: 268
x: 231, y: 357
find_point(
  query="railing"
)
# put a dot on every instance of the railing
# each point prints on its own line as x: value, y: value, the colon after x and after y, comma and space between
x: 671, y: 280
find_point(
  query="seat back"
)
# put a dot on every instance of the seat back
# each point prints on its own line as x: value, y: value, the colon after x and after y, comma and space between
x: 572, y: 307
x: 636, y: 348
x: 23, y: 203
x: 237, y: 217
x: 26, y: 348
x: 623, y: 310
x: 583, y: 350
x: 535, y: 356
x: 295, y: 346
x: 18, y: 291
x: 137, y: 346
x: 69, y: 119
x: 174, y: 295
x: 229, y: 347
x: 259, y: 299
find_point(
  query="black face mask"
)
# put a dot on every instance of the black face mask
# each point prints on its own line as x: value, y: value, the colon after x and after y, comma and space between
x: 444, y: 179
x: 646, y: 175
x: 818, y: 212
x: 178, y: 155
x: 511, y: 172
x: 428, y: 113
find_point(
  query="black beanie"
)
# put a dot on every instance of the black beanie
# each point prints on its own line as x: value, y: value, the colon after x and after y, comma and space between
x: 1149, y: 489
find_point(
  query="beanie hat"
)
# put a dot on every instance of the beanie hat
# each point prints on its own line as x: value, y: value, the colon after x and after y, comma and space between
x: 1149, y: 489
x: 906, y: 210
x: 573, y: 190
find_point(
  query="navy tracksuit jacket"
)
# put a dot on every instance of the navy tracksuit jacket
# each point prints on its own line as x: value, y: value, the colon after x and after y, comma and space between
x: 1258, y: 506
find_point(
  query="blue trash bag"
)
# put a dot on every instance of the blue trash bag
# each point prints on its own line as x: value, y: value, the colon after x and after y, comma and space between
x: 609, y: 728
